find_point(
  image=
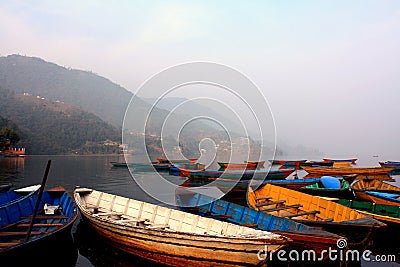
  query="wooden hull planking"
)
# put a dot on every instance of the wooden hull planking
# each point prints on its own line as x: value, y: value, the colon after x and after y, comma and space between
x: 183, y: 242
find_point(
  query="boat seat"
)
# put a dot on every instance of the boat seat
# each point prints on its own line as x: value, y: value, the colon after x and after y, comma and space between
x: 263, y: 198
x: 302, y: 214
x: 283, y: 207
x: 270, y: 203
x: 2, y: 234
x: 328, y: 220
x: 48, y: 216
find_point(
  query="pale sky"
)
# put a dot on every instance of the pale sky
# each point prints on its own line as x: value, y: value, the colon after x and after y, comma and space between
x: 329, y: 69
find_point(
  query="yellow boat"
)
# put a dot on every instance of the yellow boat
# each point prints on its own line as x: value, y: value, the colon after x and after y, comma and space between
x: 314, y: 211
x: 347, y: 170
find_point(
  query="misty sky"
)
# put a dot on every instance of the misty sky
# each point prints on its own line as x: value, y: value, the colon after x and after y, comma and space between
x: 329, y: 69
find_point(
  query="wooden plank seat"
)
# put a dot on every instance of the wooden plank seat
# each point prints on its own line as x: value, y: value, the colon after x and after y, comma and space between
x: 270, y: 203
x: 263, y: 198
x: 283, y: 207
x: 302, y: 214
x: 2, y: 234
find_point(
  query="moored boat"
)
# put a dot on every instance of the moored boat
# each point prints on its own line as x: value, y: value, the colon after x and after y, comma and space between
x: 314, y: 211
x: 303, y: 236
x: 347, y: 170
x: 352, y: 160
x: 142, y: 166
x: 330, y: 187
x: 386, y: 213
x: 360, y: 187
x: 384, y: 198
x: 289, y: 163
x: 12, y: 197
x: 246, y: 174
x: 170, y: 236
x: 391, y: 164
x: 240, y: 166
x: 50, y: 229
x: 316, y: 163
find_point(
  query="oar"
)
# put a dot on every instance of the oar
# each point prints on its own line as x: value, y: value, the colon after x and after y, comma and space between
x: 46, y: 173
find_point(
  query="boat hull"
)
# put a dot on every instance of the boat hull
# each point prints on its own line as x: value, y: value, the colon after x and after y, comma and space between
x: 315, y: 211
x: 178, y: 246
x: 346, y: 171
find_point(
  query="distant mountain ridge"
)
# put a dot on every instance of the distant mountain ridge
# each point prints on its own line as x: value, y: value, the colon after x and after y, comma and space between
x: 82, y: 89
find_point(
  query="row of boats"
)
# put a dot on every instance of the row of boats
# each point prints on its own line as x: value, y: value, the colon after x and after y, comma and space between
x: 205, y: 231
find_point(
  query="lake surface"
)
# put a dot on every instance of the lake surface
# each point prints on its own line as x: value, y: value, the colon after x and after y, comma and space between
x: 93, y: 172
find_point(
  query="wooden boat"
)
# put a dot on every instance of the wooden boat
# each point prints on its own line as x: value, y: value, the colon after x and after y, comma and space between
x: 260, y: 164
x: 384, y: 198
x: 346, y: 171
x: 246, y: 174
x: 316, y: 163
x: 361, y: 186
x: 172, y: 161
x: 52, y: 225
x: 303, y: 236
x: 293, y: 163
x: 314, y: 211
x: 391, y: 164
x: 15, y: 196
x: 240, y: 166
x: 324, y: 188
x: 185, y: 169
x: 142, y: 166
x: 386, y: 213
x: 170, y: 236
x: 294, y: 184
x: 352, y: 161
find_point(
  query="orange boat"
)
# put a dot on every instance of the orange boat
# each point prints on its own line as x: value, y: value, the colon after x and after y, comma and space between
x: 361, y: 186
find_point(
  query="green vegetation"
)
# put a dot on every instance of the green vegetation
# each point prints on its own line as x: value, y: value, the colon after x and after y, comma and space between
x: 8, y: 131
x: 50, y: 127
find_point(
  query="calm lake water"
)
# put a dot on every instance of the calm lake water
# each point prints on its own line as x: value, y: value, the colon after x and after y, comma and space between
x: 93, y: 172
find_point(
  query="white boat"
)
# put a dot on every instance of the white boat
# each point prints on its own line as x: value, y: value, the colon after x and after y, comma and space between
x: 173, y: 237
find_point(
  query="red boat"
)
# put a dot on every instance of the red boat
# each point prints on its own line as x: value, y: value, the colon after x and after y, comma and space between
x: 249, y: 165
x: 291, y: 163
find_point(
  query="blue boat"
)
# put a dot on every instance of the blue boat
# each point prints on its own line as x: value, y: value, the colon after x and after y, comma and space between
x: 384, y: 198
x: 304, y: 237
x: 50, y: 229
x: 242, y: 174
x: 15, y: 196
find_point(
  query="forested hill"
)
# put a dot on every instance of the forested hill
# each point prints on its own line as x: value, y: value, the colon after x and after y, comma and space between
x: 81, y: 89
x: 52, y: 127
